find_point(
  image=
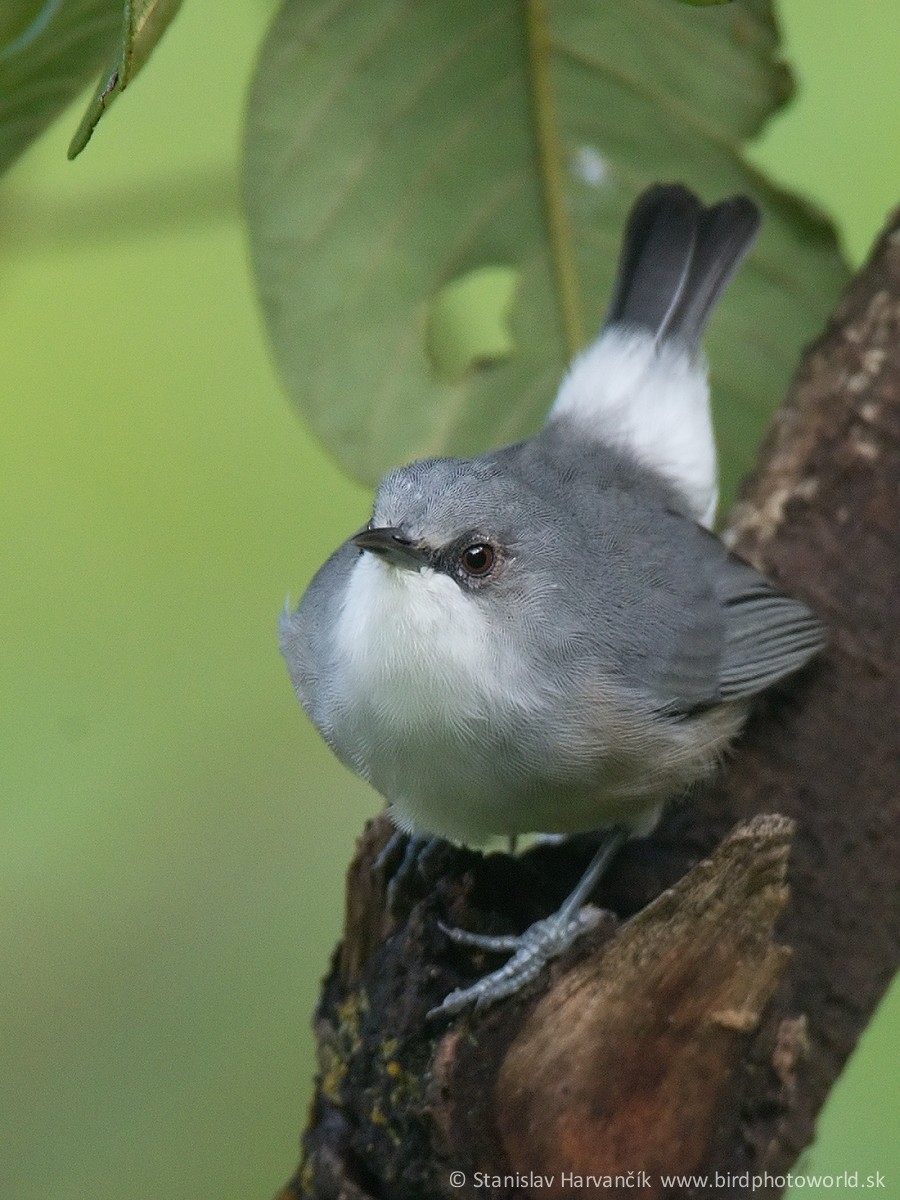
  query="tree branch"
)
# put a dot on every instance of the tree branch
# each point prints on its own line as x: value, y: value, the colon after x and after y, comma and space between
x: 684, y: 1039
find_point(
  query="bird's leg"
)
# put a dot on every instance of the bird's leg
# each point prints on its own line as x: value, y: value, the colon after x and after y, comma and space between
x: 413, y: 853
x: 541, y: 942
x: 398, y: 842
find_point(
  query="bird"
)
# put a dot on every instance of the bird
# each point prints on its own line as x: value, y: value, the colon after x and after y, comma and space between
x: 548, y: 637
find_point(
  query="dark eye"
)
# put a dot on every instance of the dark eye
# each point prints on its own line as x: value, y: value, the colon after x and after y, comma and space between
x: 477, y: 559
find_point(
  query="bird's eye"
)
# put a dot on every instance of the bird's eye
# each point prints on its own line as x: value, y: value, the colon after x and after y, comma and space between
x: 477, y: 559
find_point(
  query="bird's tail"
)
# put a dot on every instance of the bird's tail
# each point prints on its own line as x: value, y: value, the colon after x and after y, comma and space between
x: 676, y: 259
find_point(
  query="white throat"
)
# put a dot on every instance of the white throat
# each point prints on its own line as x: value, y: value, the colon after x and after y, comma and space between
x: 415, y: 643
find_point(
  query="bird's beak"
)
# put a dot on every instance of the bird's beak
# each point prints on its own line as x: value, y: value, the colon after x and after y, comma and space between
x: 390, y: 543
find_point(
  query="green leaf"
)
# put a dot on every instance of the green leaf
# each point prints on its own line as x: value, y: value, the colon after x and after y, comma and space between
x: 468, y: 322
x: 145, y: 21
x: 394, y: 147
x: 48, y: 52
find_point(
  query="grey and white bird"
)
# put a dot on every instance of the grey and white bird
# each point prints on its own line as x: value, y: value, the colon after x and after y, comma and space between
x: 548, y: 637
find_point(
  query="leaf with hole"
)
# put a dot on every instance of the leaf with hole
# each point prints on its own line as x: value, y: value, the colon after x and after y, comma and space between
x: 393, y: 148
x: 468, y: 322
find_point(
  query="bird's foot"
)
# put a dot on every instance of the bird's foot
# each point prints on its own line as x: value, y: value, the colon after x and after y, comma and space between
x: 531, y: 951
x: 541, y: 942
x: 405, y: 859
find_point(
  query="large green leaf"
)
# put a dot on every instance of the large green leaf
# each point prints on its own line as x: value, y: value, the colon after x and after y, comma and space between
x: 48, y: 52
x: 393, y: 147
x: 144, y: 22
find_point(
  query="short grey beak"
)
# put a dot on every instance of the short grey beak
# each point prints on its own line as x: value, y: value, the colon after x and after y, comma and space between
x: 390, y: 543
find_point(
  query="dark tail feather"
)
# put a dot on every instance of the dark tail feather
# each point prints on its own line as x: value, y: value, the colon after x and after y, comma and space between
x: 676, y: 259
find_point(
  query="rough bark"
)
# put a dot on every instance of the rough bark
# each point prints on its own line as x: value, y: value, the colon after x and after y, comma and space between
x: 689, y: 1038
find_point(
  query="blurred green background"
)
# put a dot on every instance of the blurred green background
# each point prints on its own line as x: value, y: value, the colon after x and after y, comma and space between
x: 173, y: 834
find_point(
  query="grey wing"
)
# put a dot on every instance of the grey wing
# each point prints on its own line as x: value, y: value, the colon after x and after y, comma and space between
x: 767, y: 635
x: 726, y: 632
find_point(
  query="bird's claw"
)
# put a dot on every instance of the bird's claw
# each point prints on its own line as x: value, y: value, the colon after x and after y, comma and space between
x: 531, y: 951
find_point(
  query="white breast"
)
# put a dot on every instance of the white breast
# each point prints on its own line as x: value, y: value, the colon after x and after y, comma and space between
x: 417, y: 694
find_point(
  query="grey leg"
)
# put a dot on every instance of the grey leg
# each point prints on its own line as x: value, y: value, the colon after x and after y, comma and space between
x: 541, y: 942
x: 415, y: 853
